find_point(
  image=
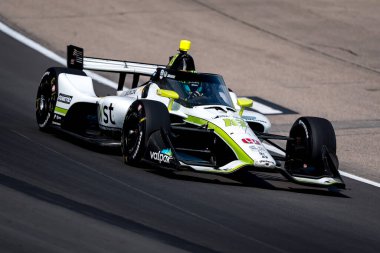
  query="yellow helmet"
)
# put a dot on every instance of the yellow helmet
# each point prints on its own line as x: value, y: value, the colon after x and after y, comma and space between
x: 184, y: 45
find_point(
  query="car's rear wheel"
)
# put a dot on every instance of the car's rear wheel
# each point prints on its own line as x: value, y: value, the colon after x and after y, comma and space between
x: 143, y: 118
x: 47, y: 95
x: 304, y: 152
x: 46, y: 99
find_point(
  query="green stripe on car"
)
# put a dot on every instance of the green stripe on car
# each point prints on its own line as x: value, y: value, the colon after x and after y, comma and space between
x: 242, y: 156
x: 60, y: 110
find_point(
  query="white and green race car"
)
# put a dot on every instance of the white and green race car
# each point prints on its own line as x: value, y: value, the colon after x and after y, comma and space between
x: 182, y: 119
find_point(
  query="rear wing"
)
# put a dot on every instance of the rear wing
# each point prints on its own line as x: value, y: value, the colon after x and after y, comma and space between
x: 76, y: 60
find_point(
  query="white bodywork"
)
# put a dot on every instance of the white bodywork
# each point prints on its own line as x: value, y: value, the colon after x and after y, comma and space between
x: 112, y: 111
x: 71, y: 90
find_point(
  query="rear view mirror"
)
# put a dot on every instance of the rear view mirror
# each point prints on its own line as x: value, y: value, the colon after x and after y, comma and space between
x: 244, y: 103
x: 168, y: 94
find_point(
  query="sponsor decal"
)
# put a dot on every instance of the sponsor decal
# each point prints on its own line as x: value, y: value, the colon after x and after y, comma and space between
x: 75, y: 57
x: 263, y: 153
x: 138, y: 146
x: 266, y: 162
x: 130, y: 92
x: 254, y: 119
x: 305, y: 128
x: 45, y: 74
x: 57, y: 119
x: 64, y: 98
x: 164, y: 74
x: 249, y: 118
x: 78, y: 55
x: 250, y: 141
x: 164, y: 155
x: 220, y: 116
x: 107, y: 113
x: 235, y: 122
x: 46, y: 120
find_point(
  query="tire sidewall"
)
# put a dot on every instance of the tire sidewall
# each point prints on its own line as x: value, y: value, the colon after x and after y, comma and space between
x: 133, y: 156
x: 153, y: 116
x: 319, y: 132
x: 48, y: 81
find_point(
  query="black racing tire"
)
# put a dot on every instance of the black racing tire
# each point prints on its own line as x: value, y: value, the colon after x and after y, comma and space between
x: 47, y: 95
x: 304, y: 151
x: 143, y: 118
x: 46, y: 99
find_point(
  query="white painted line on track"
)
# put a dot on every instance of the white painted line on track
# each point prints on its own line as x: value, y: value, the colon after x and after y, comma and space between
x: 53, y: 56
x: 360, y: 179
x: 50, y: 54
x: 264, y: 109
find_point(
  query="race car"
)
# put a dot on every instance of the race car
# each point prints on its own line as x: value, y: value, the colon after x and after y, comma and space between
x: 181, y: 119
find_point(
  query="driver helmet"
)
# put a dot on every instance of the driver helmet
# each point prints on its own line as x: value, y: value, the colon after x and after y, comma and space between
x: 196, y: 89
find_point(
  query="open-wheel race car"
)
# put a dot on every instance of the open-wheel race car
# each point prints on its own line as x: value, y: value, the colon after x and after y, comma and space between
x: 182, y: 119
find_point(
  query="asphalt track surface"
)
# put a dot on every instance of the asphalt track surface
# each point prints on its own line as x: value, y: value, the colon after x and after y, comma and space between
x: 59, y: 196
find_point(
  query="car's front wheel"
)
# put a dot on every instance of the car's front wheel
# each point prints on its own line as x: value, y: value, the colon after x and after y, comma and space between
x: 310, y: 138
x: 143, y: 118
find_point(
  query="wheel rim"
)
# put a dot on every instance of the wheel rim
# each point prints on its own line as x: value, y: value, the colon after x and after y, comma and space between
x: 300, y: 144
x: 43, y: 103
x: 132, y: 135
x: 134, y: 131
x: 297, y: 150
x: 302, y: 162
